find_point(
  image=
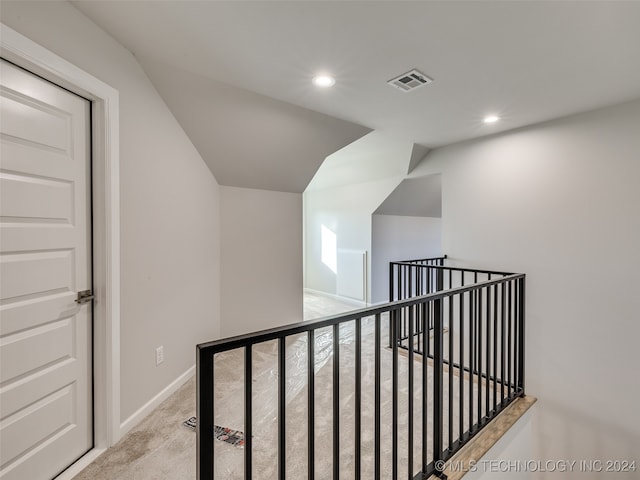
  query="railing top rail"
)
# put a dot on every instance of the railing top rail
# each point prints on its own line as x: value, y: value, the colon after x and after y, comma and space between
x: 410, y: 263
x: 443, y: 257
x: 239, y: 341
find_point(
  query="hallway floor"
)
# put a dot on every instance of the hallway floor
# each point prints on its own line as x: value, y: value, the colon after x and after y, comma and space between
x: 160, y: 448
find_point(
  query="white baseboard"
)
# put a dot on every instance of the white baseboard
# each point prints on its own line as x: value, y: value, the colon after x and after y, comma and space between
x: 128, y: 424
x: 376, y: 304
x: 81, y: 464
x: 353, y: 301
x: 147, y: 408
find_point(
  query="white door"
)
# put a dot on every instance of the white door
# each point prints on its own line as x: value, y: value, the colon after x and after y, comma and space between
x: 45, y: 259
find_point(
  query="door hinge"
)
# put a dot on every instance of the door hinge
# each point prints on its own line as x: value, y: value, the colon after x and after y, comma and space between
x: 84, y: 296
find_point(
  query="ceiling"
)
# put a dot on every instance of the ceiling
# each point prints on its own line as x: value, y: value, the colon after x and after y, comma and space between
x: 526, y: 61
x: 375, y: 156
x: 249, y: 140
x: 415, y: 197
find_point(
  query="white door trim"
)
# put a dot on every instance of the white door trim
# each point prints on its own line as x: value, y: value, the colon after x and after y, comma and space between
x: 106, y: 223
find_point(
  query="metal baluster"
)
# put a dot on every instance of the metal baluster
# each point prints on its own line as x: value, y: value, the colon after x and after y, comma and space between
x: 479, y: 349
x: 336, y: 402
x: 488, y: 354
x: 377, y: 433
x: 509, y: 329
x: 450, y: 358
x: 311, y: 432
x: 425, y: 398
x: 461, y: 370
x: 410, y: 386
x: 437, y: 384
x: 502, y: 341
x: 248, y: 429
x: 358, y: 396
x: 282, y: 401
x: 394, y: 408
x: 495, y: 347
x: 472, y: 353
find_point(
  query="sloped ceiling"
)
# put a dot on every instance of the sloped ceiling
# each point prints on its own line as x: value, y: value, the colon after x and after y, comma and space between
x: 417, y: 155
x: 528, y: 61
x: 375, y: 156
x: 415, y: 197
x: 249, y: 140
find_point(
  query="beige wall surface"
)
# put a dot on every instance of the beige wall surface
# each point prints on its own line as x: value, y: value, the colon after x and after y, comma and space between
x: 560, y: 202
x: 346, y: 211
x: 261, y: 277
x: 169, y: 208
x: 395, y: 238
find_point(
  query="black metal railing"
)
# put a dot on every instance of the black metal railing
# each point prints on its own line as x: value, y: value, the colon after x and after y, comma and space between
x: 456, y: 359
x: 413, y: 278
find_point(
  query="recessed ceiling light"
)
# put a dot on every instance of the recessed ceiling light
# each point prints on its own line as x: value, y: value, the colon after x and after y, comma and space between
x: 491, y: 119
x: 324, y: 81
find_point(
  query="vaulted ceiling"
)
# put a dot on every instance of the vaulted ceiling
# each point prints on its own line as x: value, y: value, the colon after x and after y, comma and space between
x: 237, y: 74
x: 415, y: 197
x: 247, y: 139
x: 375, y: 156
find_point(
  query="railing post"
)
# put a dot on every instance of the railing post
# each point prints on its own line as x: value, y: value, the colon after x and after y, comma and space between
x: 439, y: 279
x: 204, y: 414
x: 438, y: 399
x: 521, y: 304
x: 392, y: 284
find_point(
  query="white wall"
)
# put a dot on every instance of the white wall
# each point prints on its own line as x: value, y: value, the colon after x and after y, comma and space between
x: 395, y: 237
x: 169, y: 208
x: 560, y: 202
x: 261, y: 276
x: 346, y: 211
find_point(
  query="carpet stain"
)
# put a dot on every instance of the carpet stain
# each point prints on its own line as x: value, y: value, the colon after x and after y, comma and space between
x: 157, y: 439
x: 136, y: 445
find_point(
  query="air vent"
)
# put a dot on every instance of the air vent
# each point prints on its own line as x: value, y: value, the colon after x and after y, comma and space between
x: 410, y: 81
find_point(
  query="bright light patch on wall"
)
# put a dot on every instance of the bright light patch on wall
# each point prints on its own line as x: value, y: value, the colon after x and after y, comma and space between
x: 324, y: 81
x: 329, y: 254
x: 491, y: 119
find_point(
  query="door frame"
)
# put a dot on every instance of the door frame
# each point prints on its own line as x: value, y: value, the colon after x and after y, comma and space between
x: 29, y: 55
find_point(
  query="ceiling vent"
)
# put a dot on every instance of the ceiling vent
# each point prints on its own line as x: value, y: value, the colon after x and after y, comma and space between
x: 410, y: 81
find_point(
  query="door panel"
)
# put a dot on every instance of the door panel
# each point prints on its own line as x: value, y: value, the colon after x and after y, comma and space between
x: 49, y: 343
x: 32, y: 121
x: 21, y: 195
x: 48, y: 416
x: 36, y: 273
x: 46, y: 403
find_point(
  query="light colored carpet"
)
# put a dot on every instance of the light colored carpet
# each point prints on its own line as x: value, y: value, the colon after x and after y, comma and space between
x: 160, y: 448
x: 229, y: 407
x: 317, y: 305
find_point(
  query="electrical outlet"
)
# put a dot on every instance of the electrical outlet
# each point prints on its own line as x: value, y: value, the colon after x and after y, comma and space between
x: 159, y: 355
